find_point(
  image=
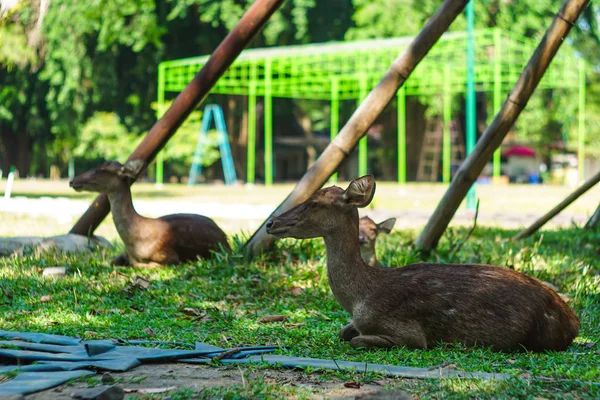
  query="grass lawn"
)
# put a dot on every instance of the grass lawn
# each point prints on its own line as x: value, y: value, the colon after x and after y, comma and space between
x: 229, y: 297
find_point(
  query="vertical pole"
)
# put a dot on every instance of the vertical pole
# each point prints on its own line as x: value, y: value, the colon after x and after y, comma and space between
x: 581, y: 127
x: 497, y: 92
x: 334, y: 124
x: 251, y: 150
x: 471, y: 117
x: 71, y: 171
x: 268, y: 124
x: 9, y: 182
x: 159, y: 113
x: 401, y: 109
x: 447, y: 142
x: 159, y: 169
x: 362, y: 144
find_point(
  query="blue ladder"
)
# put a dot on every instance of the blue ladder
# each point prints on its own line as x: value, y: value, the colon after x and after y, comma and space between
x: 224, y: 147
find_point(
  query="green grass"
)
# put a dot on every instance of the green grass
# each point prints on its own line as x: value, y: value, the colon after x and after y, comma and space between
x: 94, y: 301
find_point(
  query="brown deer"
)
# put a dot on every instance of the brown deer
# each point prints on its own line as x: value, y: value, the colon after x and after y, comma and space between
x: 368, y: 231
x: 422, y: 304
x: 150, y: 242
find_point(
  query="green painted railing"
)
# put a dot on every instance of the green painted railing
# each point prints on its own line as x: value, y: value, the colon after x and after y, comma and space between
x: 338, y: 71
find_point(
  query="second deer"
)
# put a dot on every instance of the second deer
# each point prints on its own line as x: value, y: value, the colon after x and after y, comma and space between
x: 368, y: 231
x: 150, y: 242
x: 422, y: 304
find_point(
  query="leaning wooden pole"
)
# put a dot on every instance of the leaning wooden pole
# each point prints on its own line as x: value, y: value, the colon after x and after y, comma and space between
x: 363, y: 117
x: 594, y: 221
x: 492, y: 138
x: 194, y: 93
x: 587, y: 185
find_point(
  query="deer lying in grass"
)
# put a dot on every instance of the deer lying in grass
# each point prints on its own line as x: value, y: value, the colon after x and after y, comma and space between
x: 149, y: 242
x: 421, y: 304
x: 368, y: 231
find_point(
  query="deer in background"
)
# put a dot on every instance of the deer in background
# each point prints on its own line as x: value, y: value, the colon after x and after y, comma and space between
x: 368, y: 231
x: 422, y: 304
x: 150, y: 242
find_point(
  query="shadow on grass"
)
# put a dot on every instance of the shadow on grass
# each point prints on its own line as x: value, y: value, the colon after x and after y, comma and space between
x: 220, y: 301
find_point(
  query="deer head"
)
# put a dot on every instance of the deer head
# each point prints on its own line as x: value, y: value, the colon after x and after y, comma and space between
x: 325, y: 212
x: 108, y: 177
x: 367, y: 237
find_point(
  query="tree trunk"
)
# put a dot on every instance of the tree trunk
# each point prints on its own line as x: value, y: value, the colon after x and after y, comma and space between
x: 234, y: 134
x: 363, y: 117
x: 17, y: 151
x: 9, y: 146
x: 241, y: 148
x: 23, y: 161
x: 306, y: 125
x: 494, y: 134
x: 594, y: 221
x: 16, y: 142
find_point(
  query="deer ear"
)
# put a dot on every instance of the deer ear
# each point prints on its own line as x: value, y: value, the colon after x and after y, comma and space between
x: 112, y: 167
x: 386, y: 226
x: 360, y: 192
x: 132, y: 168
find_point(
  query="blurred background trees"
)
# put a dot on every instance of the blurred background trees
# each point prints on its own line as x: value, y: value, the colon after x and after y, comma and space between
x: 78, y: 79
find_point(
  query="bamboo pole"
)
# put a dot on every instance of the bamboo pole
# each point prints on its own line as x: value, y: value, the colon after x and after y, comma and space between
x: 492, y: 138
x: 587, y: 185
x: 497, y: 93
x: 594, y: 221
x: 334, y: 118
x: 401, y: 112
x: 194, y: 93
x: 363, y: 117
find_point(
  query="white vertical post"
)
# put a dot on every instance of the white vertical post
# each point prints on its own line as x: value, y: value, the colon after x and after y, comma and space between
x: 9, y: 183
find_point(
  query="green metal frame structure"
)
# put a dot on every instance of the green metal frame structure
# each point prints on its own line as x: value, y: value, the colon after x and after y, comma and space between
x: 337, y: 71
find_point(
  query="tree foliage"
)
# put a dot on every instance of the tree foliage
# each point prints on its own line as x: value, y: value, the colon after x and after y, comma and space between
x: 77, y: 79
x: 550, y: 115
x: 95, y: 62
x: 104, y: 136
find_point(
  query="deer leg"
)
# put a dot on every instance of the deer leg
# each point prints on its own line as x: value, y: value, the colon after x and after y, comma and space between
x: 404, y: 333
x: 371, y: 341
x: 150, y: 264
x: 121, y: 260
x: 348, y: 332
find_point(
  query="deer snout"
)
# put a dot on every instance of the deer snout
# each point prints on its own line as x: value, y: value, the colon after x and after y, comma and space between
x: 278, y: 227
x: 273, y: 226
x: 75, y: 185
x: 362, y: 240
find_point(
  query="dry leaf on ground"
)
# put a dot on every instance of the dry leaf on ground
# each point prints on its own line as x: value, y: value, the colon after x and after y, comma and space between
x: 149, y: 390
x: 296, y: 290
x: 149, y: 331
x: 272, y: 318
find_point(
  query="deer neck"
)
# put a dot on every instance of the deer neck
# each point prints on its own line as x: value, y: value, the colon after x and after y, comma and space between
x: 130, y: 225
x: 349, y: 276
x: 368, y: 255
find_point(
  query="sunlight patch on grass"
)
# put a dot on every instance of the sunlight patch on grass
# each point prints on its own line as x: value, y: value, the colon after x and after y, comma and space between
x: 96, y: 300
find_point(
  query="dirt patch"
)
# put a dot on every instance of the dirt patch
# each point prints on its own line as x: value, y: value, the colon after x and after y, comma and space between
x: 199, y: 377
